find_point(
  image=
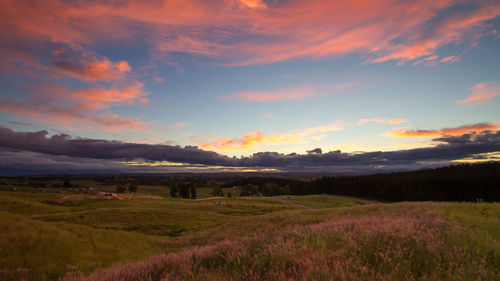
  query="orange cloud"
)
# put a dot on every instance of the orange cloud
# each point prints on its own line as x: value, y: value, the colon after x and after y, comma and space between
x: 71, y: 119
x: 94, y: 69
x: 251, y: 140
x: 466, y: 129
x: 380, y: 120
x: 254, y: 3
x: 397, y: 121
x: 271, y: 96
x: 97, y: 99
x: 482, y: 93
x: 83, y: 108
x: 255, y: 139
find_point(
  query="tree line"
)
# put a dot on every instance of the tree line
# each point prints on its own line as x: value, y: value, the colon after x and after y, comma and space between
x: 465, y: 182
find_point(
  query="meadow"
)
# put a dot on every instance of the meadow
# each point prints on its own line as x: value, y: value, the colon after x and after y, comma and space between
x: 70, y: 234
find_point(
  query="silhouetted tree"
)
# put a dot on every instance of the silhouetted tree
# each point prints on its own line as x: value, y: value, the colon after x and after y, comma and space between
x: 250, y: 190
x: 455, y: 183
x: 173, y: 191
x: 184, y: 190
x: 120, y: 189
x: 67, y: 184
x: 193, y: 191
x: 132, y: 187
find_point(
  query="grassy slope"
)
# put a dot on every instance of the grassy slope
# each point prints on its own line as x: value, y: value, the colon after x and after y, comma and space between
x: 45, y: 235
x: 326, y: 201
x: 166, y: 217
x: 33, y: 249
x: 45, y: 239
x: 482, y: 222
x: 403, y: 241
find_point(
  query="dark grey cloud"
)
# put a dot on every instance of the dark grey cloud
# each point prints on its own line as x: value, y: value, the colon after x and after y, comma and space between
x: 63, y: 144
x: 114, y: 153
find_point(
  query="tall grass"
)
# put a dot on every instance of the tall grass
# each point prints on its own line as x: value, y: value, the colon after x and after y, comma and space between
x: 414, y: 243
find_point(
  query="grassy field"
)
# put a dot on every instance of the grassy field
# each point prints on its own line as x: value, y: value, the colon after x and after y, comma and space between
x: 61, y: 232
x: 325, y: 201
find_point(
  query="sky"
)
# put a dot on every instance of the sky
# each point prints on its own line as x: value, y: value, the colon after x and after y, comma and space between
x: 247, y: 85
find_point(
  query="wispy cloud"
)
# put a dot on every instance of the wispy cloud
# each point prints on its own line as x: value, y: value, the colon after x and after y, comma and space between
x: 177, y: 126
x: 271, y: 96
x: 253, y: 32
x: 450, y: 59
x: 432, y: 60
x: 293, y: 93
x: 268, y: 115
x: 482, y: 93
x: 382, y: 120
x: 466, y: 129
x: 81, y: 65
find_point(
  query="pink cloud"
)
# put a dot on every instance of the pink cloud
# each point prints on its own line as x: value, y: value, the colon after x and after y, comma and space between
x: 253, y: 32
x: 482, y: 93
x: 456, y: 131
x: 271, y: 96
x: 158, y: 79
x: 93, y: 69
x: 450, y: 59
x: 79, y: 109
x: 296, y: 93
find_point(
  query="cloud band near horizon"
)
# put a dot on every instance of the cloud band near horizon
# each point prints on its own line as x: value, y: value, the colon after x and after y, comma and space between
x: 450, y: 148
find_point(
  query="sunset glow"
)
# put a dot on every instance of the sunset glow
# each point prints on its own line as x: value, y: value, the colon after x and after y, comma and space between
x: 242, y: 77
